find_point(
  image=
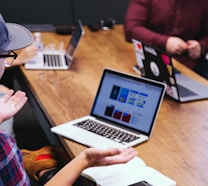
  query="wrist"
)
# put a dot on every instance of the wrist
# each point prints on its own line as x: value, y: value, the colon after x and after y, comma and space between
x: 83, y: 158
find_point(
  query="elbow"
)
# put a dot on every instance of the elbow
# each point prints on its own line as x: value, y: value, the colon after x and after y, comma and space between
x: 127, y: 34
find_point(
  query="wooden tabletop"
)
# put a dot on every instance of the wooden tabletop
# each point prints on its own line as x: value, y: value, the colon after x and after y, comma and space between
x: 178, y: 146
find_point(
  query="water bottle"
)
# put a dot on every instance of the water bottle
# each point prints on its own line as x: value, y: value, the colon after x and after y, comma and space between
x: 38, y: 42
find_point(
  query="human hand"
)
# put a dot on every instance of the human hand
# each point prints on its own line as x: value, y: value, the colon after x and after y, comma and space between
x: 100, y: 157
x: 89, y: 158
x: 25, y: 55
x: 176, y: 45
x: 194, y: 49
x: 11, y: 103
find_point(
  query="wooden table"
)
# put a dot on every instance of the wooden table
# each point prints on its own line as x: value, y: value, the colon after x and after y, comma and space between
x: 179, y: 145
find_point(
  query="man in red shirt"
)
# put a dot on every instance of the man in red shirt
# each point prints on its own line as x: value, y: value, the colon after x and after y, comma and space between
x: 180, y: 27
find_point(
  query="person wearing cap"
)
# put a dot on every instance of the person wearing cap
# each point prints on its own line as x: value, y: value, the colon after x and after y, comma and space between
x: 12, y: 166
x: 6, y: 82
x: 24, y: 55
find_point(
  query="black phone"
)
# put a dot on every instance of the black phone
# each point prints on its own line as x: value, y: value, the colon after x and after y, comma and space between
x: 141, y: 183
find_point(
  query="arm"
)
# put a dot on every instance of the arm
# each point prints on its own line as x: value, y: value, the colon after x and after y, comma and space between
x: 89, y: 158
x: 25, y: 55
x: 137, y: 23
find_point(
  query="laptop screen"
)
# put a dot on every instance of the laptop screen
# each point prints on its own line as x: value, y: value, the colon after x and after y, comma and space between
x: 74, y: 41
x: 127, y: 100
x: 156, y: 64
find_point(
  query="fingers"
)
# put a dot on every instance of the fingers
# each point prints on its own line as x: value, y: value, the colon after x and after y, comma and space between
x: 176, y: 45
x: 26, y: 54
x: 127, y: 154
x: 18, y: 100
x: 123, y: 156
x: 31, y: 51
x: 7, y: 96
x: 194, y: 49
x: 11, y: 103
x: 194, y: 55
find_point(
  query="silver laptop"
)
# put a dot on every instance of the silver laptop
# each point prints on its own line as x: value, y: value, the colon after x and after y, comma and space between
x: 57, y: 59
x: 123, y: 113
x: 156, y: 64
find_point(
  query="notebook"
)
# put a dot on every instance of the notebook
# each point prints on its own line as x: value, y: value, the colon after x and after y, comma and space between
x: 124, y: 105
x: 156, y: 64
x: 57, y: 59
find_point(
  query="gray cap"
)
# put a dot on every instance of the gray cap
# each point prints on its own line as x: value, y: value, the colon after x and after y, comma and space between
x: 13, y: 36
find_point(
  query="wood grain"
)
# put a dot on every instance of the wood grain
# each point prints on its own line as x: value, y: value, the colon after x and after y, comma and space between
x: 178, y: 146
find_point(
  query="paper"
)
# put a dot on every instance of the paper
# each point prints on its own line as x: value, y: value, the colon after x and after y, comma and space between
x: 126, y: 174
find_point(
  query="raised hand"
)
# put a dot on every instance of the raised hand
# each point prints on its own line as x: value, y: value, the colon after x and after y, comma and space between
x: 102, y: 157
x: 11, y: 103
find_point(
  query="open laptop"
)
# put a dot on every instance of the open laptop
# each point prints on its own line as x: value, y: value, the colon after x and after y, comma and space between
x: 56, y: 59
x: 156, y: 64
x: 123, y: 113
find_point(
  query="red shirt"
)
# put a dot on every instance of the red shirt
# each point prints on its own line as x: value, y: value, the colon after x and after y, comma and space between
x: 153, y: 21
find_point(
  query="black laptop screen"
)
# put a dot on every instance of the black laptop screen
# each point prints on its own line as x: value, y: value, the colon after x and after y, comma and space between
x: 128, y: 101
x: 74, y: 41
x: 157, y: 65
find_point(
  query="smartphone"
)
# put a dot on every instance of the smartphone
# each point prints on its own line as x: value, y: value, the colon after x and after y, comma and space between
x: 141, y: 183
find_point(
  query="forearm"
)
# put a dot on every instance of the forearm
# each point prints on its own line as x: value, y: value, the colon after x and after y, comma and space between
x: 70, y: 172
x: 89, y: 158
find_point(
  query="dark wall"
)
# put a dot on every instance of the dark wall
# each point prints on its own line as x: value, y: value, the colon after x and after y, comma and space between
x: 37, y: 11
x: 62, y: 12
x: 90, y: 11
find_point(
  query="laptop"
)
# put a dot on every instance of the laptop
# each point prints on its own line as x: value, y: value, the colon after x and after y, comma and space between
x: 156, y: 64
x: 57, y: 59
x: 123, y: 113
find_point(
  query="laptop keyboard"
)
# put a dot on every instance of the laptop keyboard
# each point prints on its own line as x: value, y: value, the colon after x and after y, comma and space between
x: 52, y: 60
x: 106, y: 131
x: 184, y: 92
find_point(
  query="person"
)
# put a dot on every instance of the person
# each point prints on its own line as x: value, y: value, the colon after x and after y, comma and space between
x: 24, y: 55
x: 12, y: 171
x: 176, y: 26
x: 7, y: 79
